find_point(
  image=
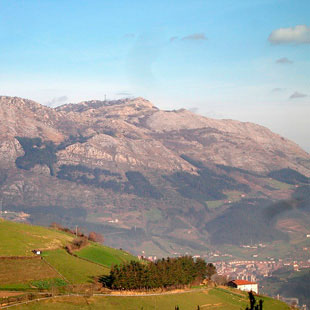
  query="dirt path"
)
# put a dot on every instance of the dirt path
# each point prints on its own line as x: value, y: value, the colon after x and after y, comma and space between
x: 4, y: 294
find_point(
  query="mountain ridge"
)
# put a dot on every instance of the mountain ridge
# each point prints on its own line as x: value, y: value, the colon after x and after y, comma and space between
x: 161, y: 174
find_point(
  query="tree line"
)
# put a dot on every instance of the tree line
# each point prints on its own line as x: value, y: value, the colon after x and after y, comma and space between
x: 165, y: 273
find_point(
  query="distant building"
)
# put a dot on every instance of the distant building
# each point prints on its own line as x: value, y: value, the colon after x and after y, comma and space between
x: 244, y: 285
x: 37, y: 252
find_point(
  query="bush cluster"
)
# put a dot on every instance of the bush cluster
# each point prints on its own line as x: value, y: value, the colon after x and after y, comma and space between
x: 165, y: 273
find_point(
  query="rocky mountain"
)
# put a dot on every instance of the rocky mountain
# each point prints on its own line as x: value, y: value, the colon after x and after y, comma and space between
x: 159, y: 181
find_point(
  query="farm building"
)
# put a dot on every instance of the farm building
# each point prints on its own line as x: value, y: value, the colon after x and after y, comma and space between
x: 244, y: 285
x: 37, y: 252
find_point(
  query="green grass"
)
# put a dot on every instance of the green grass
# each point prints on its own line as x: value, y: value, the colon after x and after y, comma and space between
x: 16, y: 272
x: 20, y: 239
x: 104, y: 255
x: 48, y: 284
x: 213, y: 204
x: 15, y: 287
x: 232, y: 196
x: 74, y: 269
x: 217, y: 299
x: 279, y: 185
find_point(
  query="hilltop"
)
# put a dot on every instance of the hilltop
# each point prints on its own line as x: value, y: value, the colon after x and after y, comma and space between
x: 21, y: 269
x: 160, y: 181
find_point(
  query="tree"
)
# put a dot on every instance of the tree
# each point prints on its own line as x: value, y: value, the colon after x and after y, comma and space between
x: 211, y: 270
x: 253, y: 305
x: 96, y: 237
x: 56, y: 225
x: 219, y: 279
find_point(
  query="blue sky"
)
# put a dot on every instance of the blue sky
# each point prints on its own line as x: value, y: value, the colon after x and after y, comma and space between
x: 245, y: 60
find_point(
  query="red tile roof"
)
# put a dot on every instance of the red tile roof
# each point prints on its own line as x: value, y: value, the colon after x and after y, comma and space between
x: 242, y: 282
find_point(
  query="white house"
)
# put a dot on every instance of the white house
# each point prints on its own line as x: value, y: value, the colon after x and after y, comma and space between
x: 37, y: 252
x: 244, y: 285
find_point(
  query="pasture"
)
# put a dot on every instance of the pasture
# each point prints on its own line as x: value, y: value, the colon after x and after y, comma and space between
x: 104, y: 255
x: 215, y: 299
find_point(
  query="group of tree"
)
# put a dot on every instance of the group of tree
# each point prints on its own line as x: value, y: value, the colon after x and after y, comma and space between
x: 253, y: 304
x: 289, y: 176
x: 137, y: 183
x: 96, y: 177
x: 165, y: 273
x: 92, y: 236
x: 205, y: 185
x: 37, y: 152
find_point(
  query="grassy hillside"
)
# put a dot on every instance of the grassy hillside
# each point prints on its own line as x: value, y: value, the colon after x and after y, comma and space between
x: 56, y: 267
x: 74, y: 269
x: 104, y: 255
x: 20, y: 239
x: 20, y: 268
x: 18, y: 274
x: 215, y: 299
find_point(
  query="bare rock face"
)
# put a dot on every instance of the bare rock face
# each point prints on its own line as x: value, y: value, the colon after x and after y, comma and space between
x: 22, y: 117
x: 228, y: 142
x: 160, y: 171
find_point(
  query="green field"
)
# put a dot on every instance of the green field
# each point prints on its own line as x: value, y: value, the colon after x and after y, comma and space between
x: 23, y: 271
x: 279, y: 185
x: 74, y: 269
x: 59, y: 268
x: 232, y: 196
x: 20, y: 239
x: 216, y: 298
x: 104, y: 255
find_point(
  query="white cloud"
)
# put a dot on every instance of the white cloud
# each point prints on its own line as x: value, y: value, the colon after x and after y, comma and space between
x: 173, y: 39
x: 195, y: 37
x: 299, y: 34
x: 297, y: 95
x: 278, y: 89
x: 56, y: 101
x: 124, y: 93
x: 194, y: 110
x: 284, y: 60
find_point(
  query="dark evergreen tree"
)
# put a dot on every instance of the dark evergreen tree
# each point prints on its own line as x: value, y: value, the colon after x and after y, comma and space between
x: 253, y: 305
x: 164, y: 273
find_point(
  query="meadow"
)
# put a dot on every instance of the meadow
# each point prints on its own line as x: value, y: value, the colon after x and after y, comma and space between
x: 104, y: 255
x: 19, y: 239
x: 14, y: 272
x: 72, y: 268
x: 215, y: 299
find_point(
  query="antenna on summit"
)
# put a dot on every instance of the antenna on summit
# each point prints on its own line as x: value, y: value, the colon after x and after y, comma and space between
x: 105, y: 97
